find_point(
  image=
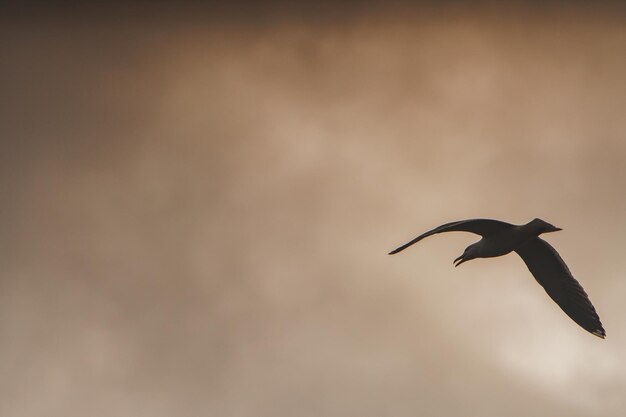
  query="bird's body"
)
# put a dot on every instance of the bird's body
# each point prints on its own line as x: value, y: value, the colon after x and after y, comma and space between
x: 507, y: 240
x: 501, y: 243
x: 543, y: 261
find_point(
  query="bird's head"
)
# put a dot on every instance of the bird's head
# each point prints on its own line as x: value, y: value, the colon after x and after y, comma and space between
x: 541, y: 226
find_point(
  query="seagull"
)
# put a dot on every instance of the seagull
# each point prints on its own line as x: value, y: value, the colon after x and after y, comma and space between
x: 543, y: 261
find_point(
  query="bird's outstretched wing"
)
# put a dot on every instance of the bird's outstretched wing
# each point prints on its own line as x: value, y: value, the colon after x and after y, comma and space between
x: 552, y: 273
x: 483, y: 227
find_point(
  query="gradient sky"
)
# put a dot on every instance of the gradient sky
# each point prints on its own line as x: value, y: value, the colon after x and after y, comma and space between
x: 197, y: 206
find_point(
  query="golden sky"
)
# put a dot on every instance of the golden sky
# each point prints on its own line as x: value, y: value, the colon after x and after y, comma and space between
x: 197, y: 208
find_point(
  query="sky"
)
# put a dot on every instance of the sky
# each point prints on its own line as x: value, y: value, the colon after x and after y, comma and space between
x: 197, y: 205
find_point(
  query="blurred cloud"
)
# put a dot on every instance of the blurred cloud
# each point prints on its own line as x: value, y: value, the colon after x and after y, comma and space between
x: 197, y: 209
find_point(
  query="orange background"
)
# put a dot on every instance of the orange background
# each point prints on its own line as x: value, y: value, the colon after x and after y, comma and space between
x: 197, y: 206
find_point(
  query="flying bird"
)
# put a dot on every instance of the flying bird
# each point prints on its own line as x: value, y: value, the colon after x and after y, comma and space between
x: 543, y: 261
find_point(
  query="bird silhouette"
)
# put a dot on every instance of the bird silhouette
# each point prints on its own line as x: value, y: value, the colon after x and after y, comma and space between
x: 543, y: 261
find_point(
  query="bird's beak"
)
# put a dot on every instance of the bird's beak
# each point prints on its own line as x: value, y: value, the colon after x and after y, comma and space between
x: 460, y: 260
x: 557, y: 229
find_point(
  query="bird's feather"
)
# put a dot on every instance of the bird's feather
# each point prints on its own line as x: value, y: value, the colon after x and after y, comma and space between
x: 482, y: 227
x: 554, y: 276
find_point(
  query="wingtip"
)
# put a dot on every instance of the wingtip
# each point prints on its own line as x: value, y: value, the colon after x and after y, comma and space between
x: 600, y: 333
